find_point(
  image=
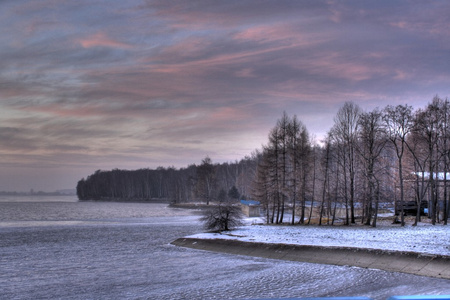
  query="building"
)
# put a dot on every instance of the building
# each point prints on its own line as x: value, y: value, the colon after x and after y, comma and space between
x: 419, y: 183
x: 251, y: 208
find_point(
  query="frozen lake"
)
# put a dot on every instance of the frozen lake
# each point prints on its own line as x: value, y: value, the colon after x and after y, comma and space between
x: 99, y: 250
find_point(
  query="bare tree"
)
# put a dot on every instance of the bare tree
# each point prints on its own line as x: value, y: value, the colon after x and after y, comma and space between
x: 371, y: 144
x: 282, y: 171
x: 300, y: 162
x: 263, y: 187
x: 428, y: 125
x: 315, y: 150
x: 399, y: 122
x: 329, y: 175
x: 283, y: 138
x: 445, y: 152
x: 345, y: 134
x: 418, y: 149
x: 294, y: 129
x: 273, y: 154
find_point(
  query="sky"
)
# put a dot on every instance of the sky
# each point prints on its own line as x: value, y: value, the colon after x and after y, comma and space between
x: 89, y: 84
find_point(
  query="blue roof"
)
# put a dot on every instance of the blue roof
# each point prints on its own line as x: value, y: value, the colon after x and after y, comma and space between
x: 250, y: 202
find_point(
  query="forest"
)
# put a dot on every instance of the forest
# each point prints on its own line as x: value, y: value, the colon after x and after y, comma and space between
x: 369, y: 159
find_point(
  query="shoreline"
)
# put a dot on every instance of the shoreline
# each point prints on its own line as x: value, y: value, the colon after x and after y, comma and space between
x: 430, y: 265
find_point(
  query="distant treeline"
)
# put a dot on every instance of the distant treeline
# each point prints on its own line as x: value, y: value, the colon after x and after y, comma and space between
x: 204, y: 182
x: 39, y: 193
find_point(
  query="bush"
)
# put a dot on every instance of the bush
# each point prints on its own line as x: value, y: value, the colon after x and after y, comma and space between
x: 222, y: 217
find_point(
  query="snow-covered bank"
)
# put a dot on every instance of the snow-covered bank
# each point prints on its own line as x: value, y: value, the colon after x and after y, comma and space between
x: 422, y: 239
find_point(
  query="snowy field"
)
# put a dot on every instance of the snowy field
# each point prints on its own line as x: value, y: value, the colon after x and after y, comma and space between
x: 423, y: 238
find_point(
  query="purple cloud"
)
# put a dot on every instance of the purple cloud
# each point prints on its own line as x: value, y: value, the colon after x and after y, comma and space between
x: 129, y: 84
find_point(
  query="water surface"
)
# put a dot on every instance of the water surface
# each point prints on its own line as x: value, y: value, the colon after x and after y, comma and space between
x: 111, y: 250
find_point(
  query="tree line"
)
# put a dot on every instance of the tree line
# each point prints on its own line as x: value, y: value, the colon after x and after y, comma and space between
x: 367, y: 159
x: 204, y: 182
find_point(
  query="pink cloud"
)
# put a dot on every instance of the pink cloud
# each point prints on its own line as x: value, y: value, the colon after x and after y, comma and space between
x: 197, y: 64
x: 338, y: 66
x: 399, y: 24
x: 279, y: 33
x: 228, y: 114
x: 101, y: 40
x: 65, y: 110
x: 188, y: 48
x: 245, y: 73
x: 261, y: 33
x: 195, y: 52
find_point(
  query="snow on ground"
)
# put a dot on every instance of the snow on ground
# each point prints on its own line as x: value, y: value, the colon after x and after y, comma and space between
x: 423, y: 238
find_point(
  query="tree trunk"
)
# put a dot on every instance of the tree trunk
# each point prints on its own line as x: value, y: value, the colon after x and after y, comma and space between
x: 377, y: 200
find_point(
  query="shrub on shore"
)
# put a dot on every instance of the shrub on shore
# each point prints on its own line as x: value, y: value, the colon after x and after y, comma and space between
x: 222, y: 217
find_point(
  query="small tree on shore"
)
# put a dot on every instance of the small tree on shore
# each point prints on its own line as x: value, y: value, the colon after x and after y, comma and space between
x: 222, y: 217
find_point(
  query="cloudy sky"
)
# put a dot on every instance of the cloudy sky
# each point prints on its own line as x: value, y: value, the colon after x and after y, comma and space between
x: 89, y: 84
